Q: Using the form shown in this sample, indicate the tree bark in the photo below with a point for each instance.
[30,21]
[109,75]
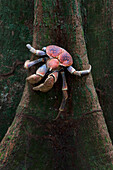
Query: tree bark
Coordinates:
[99,30]
[16,29]
[79,138]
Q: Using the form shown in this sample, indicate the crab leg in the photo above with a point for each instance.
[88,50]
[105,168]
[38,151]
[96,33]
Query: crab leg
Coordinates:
[64,90]
[78,73]
[36,52]
[65,95]
[29,63]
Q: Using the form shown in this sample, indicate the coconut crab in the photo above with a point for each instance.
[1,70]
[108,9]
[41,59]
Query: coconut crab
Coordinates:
[55,60]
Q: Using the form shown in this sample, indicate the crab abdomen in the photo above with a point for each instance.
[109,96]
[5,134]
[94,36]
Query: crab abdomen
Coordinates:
[62,55]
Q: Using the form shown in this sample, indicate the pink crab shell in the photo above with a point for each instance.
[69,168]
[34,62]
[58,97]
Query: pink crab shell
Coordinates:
[60,54]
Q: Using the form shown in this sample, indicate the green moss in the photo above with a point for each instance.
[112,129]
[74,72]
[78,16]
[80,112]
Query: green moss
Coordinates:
[90,90]
[79,59]
[15,32]
[98,32]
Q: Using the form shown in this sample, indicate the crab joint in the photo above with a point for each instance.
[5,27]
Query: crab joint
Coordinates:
[42,70]
[71,69]
[55,75]
[29,63]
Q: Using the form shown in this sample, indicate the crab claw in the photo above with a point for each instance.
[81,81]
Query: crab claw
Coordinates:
[34,79]
[46,86]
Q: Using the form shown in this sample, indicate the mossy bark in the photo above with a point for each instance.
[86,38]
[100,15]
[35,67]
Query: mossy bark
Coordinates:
[76,140]
[98,26]
[16,27]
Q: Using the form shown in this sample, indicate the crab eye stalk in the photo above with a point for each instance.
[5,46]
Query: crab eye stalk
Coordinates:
[44,49]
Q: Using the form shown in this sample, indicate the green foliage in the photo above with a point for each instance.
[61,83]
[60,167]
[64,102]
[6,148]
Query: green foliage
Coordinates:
[15,31]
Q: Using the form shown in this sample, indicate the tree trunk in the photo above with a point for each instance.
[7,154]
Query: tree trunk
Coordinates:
[99,30]
[79,138]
